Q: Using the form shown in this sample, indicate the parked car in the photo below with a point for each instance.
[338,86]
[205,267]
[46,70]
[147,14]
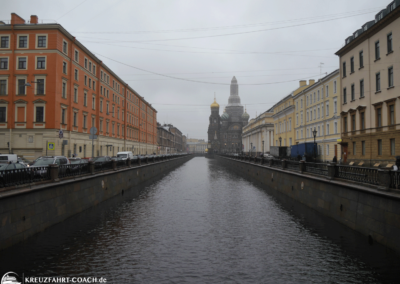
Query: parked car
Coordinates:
[42,164]
[78,164]
[8,157]
[11,166]
[125,155]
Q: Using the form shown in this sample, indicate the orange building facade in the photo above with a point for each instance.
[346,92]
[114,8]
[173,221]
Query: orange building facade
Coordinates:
[50,82]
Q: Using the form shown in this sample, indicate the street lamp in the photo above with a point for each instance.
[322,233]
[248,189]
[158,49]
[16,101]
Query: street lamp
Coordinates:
[280,141]
[315,134]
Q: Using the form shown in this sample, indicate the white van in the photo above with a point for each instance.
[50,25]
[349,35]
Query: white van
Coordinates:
[125,155]
[8,157]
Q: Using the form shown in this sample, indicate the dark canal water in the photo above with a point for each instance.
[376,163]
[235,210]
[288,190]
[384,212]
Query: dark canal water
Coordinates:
[203,224]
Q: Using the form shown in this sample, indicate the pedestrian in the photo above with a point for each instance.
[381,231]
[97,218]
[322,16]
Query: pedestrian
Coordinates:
[334,160]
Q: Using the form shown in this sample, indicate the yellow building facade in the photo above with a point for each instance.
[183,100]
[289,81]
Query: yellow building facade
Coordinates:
[283,117]
[318,108]
[258,134]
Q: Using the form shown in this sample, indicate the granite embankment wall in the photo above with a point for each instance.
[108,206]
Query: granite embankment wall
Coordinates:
[29,210]
[374,213]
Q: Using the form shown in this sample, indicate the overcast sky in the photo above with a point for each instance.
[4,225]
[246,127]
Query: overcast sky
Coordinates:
[270,44]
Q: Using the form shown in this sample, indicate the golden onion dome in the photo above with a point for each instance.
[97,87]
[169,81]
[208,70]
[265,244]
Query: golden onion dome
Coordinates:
[215,104]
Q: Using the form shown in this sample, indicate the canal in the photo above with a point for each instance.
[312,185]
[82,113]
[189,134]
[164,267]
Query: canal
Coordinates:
[200,223]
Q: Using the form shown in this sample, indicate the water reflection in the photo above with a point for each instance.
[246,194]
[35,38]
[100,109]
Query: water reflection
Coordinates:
[202,223]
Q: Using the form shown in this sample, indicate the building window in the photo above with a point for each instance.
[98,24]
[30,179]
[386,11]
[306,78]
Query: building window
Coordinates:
[23,42]
[353,122]
[353,93]
[377,51]
[65,45]
[327,91]
[65,67]
[3,63]
[390,77]
[345,124]
[392,147]
[90,82]
[101,105]
[327,150]
[76,75]
[64,90]
[21,86]
[352,65]
[63,115]
[344,96]
[75,119]
[363,148]
[344,69]
[354,148]
[21,62]
[39,114]
[4,42]
[378,81]
[335,127]
[362,120]
[85,99]
[40,86]
[75,95]
[41,63]
[93,102]
[379,117]
[84,121]
[361,88]
[391,115]
[334,87]
[86,61]
[327,109]
[94,69]
[3,114]
[76,56]
[389,43]
[327,129]
[85,80]
[3,87]
[361,57]
[379,147]
[90,66]
[41,41]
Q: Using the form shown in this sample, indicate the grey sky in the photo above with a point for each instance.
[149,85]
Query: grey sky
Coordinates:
[118,30]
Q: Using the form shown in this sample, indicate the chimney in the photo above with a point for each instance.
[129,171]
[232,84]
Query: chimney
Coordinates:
[303,83]
[34,19]
[311,82]
[16,20]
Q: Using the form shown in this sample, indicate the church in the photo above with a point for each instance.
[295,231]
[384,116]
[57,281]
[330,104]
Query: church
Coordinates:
[225,131]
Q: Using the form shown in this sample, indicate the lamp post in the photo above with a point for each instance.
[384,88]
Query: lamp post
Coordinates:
[315,134]
[280,141]
[251,149]
[263,146]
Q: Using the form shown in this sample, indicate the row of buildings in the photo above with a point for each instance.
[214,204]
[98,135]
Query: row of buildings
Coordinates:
[351,113]
[53,90]
[56,95]
[170,139]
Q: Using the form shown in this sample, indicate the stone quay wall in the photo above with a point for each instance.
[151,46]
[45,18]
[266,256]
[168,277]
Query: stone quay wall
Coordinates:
[363,208]
[31,209]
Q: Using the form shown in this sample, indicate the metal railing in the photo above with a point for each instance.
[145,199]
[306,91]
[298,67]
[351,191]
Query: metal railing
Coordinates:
[276,163]
[102,166]
[317,168]
[395,179]
[122,163]
[293,165]
[73,170]
[23,176]
[366,175]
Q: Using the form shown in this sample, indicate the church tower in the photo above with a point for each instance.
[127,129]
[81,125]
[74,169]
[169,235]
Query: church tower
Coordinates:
[214,128]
